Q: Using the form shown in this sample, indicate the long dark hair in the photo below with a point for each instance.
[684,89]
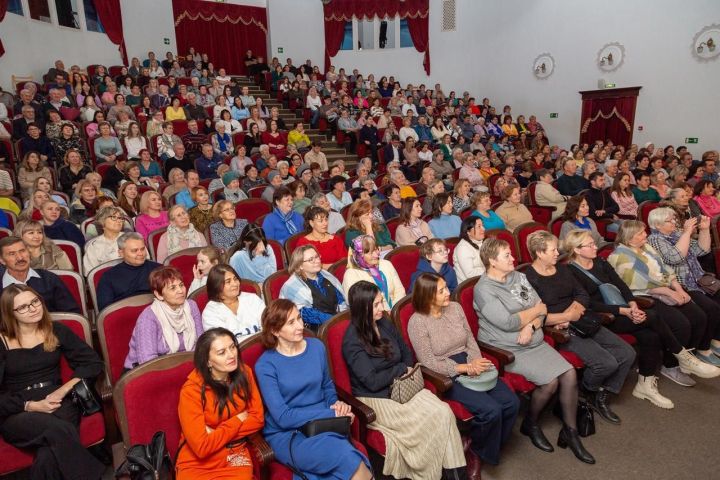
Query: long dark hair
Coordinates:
[216,280]
[468,223]
[226,393]
[572,207]
[249,239]
[361,297]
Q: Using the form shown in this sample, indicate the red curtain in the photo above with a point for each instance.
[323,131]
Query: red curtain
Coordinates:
[337,12]
[3,11]
[111,18]
[223,31]
[605,117]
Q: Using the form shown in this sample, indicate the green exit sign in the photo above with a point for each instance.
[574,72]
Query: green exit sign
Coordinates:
[553,115]
[691,140]
[609,85]
[166,41]
[280,49]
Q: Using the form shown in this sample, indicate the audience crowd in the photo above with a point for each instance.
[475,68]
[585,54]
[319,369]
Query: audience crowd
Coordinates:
[121,174]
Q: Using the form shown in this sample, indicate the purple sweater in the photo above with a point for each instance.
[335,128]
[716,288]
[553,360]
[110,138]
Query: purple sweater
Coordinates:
[147,340]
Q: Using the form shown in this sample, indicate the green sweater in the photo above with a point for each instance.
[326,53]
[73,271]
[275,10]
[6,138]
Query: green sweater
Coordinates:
[382,237]
[650,194]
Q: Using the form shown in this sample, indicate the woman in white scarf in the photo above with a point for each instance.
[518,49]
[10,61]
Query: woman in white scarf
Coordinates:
[180,234]
[170,324]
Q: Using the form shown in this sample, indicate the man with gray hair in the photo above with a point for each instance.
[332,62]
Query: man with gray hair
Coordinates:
[193,111]
[130,277]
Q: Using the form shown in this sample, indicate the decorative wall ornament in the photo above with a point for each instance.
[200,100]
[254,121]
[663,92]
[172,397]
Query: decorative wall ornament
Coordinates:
[611,56]
[705,43]
[543,66]
[613,113]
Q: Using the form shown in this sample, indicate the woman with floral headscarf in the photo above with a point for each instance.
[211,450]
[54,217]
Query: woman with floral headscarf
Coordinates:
[364,263]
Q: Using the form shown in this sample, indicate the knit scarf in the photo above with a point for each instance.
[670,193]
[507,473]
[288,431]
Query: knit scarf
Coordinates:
[287,220]
[178,239]
[173,323]
[222,141]
[375,273]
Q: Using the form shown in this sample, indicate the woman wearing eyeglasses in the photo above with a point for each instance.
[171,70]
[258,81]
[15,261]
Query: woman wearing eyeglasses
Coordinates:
[364,263]
[434,256]
[104,248]
[36,409]
[316,293]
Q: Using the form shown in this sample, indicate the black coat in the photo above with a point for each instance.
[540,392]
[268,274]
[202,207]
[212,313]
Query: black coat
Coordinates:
[371,375]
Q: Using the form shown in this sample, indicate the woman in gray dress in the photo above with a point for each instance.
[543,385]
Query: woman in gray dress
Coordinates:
[511,316]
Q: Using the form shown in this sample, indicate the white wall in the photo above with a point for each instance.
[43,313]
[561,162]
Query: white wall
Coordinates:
[146,24]
[32,46]
[492,50]
[296,26]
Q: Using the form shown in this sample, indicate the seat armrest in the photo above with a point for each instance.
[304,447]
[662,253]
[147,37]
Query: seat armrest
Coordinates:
[503,357]
[260,449]
[644,302]
[558,336]
[361,410]
[442,383]
[606,318]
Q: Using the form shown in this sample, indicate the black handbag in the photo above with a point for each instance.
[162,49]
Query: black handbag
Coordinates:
[86,398]
[339,425]
[148,462]
[585,419]
[586,326]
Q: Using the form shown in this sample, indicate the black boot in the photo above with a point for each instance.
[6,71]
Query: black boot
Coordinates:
[600,403]
[532,430]
[454,474]
[569,437]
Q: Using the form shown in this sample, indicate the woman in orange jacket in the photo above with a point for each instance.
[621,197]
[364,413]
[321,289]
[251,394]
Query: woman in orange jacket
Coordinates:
[220,405]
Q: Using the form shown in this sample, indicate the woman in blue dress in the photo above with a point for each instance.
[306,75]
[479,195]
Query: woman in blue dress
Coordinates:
[292,400]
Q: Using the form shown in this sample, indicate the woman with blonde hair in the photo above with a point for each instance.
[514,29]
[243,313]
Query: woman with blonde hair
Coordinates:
[33,206]
[364,263]
[201,215]
[31,168]
[176,180]
[461,195]
[227,229]
[43,251]
[83,207]
[152,215]
[42,183]
[180,234]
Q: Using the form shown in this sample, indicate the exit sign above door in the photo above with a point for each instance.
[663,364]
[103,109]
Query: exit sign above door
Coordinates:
[691,140]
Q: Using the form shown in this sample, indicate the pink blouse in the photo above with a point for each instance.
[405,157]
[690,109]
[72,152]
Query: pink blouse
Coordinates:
[627,204]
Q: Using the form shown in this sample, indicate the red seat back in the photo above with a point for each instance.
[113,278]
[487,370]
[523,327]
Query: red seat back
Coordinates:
[115,327]
[154,240]
[392,225]
[180,127]
[184,260]
[252,208]
[80,327]
[72,250]
[93,278]
[541,214]
[256,192]
[76,286]
[503,234]
[338,269]
[522,232]
[157,382]
[606,250]
[200,297]
[332,333]
[401,313]
[291,243]
[405,260]
[273,284]
[556,226]
[463,294]
[451,243]
[531,193]
[279,252]
[644,210]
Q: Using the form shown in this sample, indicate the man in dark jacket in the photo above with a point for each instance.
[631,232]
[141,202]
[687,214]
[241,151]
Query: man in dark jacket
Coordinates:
[570,184]
[15,259]
[601,204]
[130,277]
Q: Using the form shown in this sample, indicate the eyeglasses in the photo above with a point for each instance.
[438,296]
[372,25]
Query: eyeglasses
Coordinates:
[34,303]
[442,251]
[228,209]
[312,259]
[591,245]
[115,217]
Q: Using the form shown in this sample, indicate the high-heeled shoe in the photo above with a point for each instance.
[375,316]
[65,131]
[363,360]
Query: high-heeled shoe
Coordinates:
[569,437]
[531,429]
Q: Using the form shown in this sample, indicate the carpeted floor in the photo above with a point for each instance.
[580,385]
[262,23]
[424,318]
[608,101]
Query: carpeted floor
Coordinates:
[652,443]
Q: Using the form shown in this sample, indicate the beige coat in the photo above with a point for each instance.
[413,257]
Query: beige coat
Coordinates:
[396,290]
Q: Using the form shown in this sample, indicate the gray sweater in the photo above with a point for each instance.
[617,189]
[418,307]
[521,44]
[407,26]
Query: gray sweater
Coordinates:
[498,305]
